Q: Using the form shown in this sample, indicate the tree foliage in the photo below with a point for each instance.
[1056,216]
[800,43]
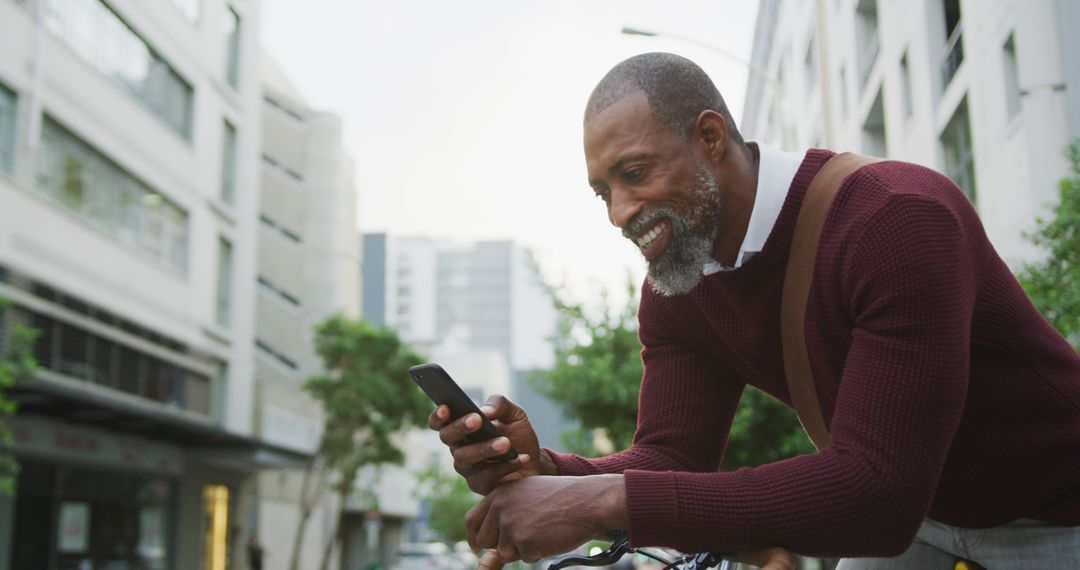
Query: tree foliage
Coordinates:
[16,362]
[597,374]
[1054,282]
[367,398]
[449,498]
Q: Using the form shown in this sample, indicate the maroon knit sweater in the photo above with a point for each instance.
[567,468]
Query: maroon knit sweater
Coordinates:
[946,393]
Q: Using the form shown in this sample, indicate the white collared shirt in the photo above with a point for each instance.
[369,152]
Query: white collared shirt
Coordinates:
[776,171]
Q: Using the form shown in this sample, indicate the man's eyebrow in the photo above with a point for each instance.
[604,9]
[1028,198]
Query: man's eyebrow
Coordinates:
[618,165]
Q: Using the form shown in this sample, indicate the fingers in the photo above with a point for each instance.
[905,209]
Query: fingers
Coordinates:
[489,560]
[769,559]
[473,521]
[454,433]
[439,417]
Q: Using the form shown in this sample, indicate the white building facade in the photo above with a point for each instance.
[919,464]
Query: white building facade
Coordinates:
[985,91]
[129,136]
[308,269]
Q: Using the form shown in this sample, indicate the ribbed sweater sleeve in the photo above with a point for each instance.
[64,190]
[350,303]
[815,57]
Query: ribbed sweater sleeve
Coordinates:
[685,406]
[909,292]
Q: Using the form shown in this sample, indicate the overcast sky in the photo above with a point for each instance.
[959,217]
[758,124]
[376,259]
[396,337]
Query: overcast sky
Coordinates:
[464,117]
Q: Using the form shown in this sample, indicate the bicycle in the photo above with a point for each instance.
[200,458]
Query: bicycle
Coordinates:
[620,547]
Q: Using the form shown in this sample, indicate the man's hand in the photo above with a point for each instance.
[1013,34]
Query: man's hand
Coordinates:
[473,461]
[769,559]
[544,516]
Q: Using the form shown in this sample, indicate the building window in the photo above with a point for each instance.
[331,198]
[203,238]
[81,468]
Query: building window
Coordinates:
[810,65]
[906,96]
[1012,77]
[7,130]
[867,41]
[80,354]
[232,40]
[843,92]
[224,282]
[959,155]
[954,41]
[96,33]
[873,131]
[83,180]
[189,8]
[228,164]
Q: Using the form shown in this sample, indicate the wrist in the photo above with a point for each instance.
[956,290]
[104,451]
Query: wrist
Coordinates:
[545,465]
[611,511]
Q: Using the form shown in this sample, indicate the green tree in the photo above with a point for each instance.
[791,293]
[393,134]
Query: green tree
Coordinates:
[597,374]
[450,498]
[1054,282]
[367,398]
[16,362]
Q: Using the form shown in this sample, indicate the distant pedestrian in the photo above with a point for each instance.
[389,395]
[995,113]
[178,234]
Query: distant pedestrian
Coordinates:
[255,553]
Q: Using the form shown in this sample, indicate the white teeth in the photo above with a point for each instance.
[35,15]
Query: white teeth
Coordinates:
[647,239]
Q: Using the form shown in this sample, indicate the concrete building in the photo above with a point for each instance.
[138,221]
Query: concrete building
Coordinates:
[308,269]
[129,137]
[986,91]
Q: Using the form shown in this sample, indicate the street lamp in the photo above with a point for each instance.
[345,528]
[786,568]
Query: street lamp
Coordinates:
[630,31]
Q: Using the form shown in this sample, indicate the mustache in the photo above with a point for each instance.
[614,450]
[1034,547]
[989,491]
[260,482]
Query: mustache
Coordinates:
[638,224]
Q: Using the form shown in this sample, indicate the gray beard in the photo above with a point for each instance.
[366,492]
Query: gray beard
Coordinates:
[678,269]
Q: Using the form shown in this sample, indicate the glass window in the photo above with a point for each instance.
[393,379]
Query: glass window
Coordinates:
[959,154]
[95,33]
[89,518]
[1012,77]
[224,284]
[810,64]
[873,131]
[232,39]
[867,41]
[905,85]
[7,130]
[954,41]
[86,182]
[228,164]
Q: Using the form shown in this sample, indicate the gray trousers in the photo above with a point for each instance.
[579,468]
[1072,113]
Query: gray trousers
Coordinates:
[1022,544]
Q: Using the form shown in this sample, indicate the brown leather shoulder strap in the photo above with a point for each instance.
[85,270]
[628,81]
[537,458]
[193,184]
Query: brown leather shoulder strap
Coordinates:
[800,270]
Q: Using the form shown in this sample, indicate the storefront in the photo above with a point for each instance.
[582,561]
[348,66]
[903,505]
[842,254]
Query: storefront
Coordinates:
[95,499]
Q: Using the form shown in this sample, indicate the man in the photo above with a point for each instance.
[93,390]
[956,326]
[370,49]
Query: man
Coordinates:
[951,403]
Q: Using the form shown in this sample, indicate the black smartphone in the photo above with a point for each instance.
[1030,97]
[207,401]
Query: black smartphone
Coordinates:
[441,388]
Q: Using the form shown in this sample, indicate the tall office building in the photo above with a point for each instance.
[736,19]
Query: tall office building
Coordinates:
[129,137]
[483,297]
[986,91]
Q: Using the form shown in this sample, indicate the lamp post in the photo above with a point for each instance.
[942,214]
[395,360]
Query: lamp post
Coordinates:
[630,31]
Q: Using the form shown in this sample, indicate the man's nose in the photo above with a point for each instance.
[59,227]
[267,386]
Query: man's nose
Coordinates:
[623,208]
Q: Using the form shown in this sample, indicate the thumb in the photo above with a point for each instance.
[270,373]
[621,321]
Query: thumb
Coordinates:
[490,560]
[502,409]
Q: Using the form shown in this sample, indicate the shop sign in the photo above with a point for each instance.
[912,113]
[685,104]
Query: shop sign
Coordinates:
[44,436]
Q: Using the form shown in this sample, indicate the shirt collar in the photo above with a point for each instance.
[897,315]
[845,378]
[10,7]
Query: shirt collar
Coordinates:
[776,171]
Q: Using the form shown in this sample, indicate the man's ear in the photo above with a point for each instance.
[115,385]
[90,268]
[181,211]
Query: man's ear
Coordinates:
[710,129]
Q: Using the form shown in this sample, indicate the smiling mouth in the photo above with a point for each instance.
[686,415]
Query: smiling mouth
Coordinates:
[646,239]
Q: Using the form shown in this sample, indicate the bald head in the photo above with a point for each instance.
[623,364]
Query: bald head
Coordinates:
[676,88]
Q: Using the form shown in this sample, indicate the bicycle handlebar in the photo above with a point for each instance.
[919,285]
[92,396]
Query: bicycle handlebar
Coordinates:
[620,547]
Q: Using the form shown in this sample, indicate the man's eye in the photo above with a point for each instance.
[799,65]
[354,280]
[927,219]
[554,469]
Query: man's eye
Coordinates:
[634,174]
